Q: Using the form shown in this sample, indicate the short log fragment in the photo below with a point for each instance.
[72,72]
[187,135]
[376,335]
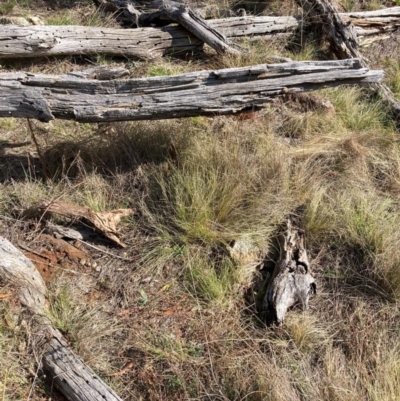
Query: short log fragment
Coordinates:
[291,282]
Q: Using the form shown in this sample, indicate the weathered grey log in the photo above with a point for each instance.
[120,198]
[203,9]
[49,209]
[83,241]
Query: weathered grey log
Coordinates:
[210,92]
[68,372]
[142,43]
[148,43]
[343,42]
[291,282]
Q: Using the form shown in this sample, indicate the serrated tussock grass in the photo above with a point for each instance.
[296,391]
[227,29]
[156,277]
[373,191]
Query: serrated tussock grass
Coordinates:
[226,186]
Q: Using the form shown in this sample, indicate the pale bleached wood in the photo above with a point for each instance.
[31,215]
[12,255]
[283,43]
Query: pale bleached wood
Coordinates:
[291,282]
[149,43]
[142,43]
[210,92]
[69,373]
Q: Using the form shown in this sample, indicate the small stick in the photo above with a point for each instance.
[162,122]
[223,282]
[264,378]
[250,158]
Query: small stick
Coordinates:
[46,171]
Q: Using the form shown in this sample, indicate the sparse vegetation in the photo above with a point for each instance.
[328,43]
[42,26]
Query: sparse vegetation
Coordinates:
[176,321]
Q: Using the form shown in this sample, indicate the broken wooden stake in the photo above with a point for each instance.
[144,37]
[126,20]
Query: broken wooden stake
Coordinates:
[207,93]
[291,282]
[342,38]
[68,372]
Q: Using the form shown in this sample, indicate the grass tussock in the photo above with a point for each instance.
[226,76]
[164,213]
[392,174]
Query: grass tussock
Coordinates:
[215,192]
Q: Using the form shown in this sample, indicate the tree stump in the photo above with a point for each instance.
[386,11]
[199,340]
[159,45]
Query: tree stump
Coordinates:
[291,282]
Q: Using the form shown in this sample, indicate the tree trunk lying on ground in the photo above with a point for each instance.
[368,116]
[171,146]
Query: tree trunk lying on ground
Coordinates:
[343,42]
[148,43]
[67,371]
[291,282]
[210,92]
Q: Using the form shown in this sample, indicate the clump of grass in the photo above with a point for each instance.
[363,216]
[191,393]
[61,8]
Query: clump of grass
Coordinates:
[384,382]
[86,15]
[81,322]
[7,7]
[338,382]
[13,349]
[365,227]
[308,51]
[216,194]
[96,192]
[66,18]
[356,113]
[306,332]
[393,77]
[164,69]
[259,52]
[210,280]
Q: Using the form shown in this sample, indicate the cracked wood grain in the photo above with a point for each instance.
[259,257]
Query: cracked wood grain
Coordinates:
[208,92]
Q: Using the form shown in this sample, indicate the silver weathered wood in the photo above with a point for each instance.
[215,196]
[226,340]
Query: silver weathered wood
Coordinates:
[368,23]
[292,281]
[143,43]
[68,372]
[148,43]
[210,92]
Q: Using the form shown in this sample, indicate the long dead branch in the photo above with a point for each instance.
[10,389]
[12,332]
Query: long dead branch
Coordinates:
[209,92]
[148,43]
[67,371]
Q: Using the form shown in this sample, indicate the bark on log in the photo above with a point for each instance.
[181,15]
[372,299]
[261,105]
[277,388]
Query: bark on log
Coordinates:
[67,371]
[343,42]
[291,282]
[210,92]
[148,43]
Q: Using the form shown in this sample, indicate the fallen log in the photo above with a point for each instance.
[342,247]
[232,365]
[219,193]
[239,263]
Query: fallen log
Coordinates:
[67,371]
[210,92]
[143,43]
[291,282]
[148,43]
